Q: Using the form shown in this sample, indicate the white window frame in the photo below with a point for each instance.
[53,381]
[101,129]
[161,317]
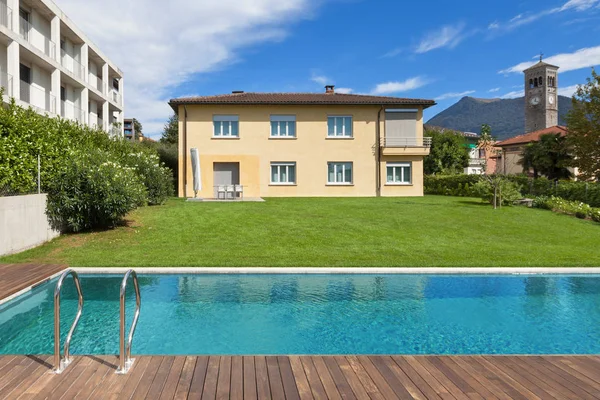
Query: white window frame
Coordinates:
[226,119]
[336,165]
[279,165]
[399,166]
[343,134]
[288,119]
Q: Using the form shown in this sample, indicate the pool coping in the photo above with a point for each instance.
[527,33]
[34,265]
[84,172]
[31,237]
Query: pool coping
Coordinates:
[345,270]
[30,288]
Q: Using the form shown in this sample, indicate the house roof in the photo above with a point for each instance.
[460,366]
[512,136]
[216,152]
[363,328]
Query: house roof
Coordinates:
[300,99]
[532,136]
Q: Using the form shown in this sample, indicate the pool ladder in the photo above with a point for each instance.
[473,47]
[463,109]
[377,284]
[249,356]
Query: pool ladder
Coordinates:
[125,360]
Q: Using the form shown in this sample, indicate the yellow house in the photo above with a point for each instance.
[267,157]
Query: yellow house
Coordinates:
[302,144]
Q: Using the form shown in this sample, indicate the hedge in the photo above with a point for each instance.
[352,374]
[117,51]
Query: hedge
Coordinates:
[462,185]
[76,162]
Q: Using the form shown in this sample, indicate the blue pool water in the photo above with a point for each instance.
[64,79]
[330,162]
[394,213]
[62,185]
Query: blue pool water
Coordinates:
[319,314]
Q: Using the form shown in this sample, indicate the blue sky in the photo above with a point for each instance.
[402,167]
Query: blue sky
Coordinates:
[441,50]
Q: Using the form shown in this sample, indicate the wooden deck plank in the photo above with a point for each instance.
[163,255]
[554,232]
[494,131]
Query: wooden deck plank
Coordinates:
[249,378]
[16,277]
[275,382]
[306,377]
[312,376]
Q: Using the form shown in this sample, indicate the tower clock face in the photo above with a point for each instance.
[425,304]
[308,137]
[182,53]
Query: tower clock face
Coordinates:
[534,101]
[551,99]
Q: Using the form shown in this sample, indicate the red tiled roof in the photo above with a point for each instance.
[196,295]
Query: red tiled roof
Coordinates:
[532,136]
[300,98]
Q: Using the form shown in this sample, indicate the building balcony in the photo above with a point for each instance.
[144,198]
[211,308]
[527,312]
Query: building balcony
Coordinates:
[37,98]
[36,38]
[476,161]
[71,111]
[115,96]
[395,146]
[5,16]
[73,66]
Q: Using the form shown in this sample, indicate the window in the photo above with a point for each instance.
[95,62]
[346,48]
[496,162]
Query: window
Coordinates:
[399,173]
[531,84]
[283,173]
[225,126]
[283,126]
[339,126]
[25,73]
[339,173]
[115,84]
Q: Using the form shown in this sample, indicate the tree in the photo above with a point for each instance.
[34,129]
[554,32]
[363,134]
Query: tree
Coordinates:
[448,154]
[486,142]
[137,127]
[583,122]
[550,156]
[171,130]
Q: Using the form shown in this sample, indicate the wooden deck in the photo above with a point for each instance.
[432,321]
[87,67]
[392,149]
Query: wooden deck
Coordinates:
[306,377]
[16,277]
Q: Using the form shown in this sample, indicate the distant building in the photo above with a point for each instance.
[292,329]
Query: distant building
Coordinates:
[129,129]
[47,63]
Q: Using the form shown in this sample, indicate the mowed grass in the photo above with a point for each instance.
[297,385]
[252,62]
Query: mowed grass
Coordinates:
[432,231]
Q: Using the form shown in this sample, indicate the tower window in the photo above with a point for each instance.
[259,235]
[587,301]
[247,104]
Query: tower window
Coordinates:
[535,82]
[530,83]
[541,80]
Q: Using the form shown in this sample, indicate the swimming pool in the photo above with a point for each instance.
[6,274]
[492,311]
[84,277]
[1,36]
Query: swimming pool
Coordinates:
[318,314]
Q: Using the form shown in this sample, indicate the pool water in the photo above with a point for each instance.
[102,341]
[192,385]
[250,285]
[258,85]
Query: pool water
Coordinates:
[318,314]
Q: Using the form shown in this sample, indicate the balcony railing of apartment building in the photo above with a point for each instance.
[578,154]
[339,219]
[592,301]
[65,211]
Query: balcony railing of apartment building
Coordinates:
[115,96]
[406,142]
[71,111]
[6,83]
[476,161]
[26,30]
[95,82]
[5,15]
[35,96]
[100,123]
[116,131]
[73,66]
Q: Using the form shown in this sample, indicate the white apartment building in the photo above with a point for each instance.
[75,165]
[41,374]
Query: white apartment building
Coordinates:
[47,63]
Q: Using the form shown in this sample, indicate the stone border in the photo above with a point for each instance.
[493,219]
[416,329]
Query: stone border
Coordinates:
[407,271]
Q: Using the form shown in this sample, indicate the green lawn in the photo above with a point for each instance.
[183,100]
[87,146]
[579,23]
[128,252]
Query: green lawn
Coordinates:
[355,232]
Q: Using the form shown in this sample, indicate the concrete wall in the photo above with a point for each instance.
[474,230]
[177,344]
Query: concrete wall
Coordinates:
[311,150]
[23,223]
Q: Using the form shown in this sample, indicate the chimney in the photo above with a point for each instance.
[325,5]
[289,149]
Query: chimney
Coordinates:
[237,91]
[329,89]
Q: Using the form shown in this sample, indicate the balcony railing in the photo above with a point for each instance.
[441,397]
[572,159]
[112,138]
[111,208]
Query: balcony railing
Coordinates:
[5,15]
[28,33]
[95,82]
[115,96]
[476,161]
[71,111]
[6,83]
[116,131]
[73,66]
[406,142]
[37,98]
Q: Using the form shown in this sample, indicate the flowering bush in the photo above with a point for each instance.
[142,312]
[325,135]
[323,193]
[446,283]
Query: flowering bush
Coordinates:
[576,208]
[595,214]
[157,179]
[93,193]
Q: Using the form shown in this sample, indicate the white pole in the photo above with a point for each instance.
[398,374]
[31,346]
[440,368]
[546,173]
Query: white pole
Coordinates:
[39,184]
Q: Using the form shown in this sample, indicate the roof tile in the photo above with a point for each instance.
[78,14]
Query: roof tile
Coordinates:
[533,136]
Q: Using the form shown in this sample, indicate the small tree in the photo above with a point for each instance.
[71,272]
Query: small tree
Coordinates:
[550,156]
[486,142]
[583,122]
[171,130]
[137,127]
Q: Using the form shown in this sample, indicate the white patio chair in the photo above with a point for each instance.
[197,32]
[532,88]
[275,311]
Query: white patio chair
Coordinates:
[239,190]
[221,190]
[229,192]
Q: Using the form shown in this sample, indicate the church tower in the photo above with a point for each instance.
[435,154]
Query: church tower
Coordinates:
[541,97]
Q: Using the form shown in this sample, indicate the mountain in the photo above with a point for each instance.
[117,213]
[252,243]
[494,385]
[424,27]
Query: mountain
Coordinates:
[505,116]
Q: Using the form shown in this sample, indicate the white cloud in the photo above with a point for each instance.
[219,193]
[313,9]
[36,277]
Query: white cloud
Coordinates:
[494,90]
[448,36]
[453,95]
[160,44]
[582,58]
[398,87]
[527,18]
[512,95]
[321,79]
[393,53]
[568,91]
[343,90]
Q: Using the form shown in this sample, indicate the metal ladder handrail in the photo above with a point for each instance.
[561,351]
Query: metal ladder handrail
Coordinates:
[125,360]
[61,363]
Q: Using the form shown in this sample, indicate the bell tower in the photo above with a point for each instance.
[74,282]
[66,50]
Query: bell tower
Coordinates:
[541,97]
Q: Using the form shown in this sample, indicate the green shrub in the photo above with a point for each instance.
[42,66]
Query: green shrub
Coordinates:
[450,185]
[157,179]
[576,208]
[595,214]
[91,192]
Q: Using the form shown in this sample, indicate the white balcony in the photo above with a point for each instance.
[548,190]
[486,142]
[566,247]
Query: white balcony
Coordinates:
[115,96]
[36,38]
[5,16]
[394,146]
[71,111]
[37,98]
[73,66]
